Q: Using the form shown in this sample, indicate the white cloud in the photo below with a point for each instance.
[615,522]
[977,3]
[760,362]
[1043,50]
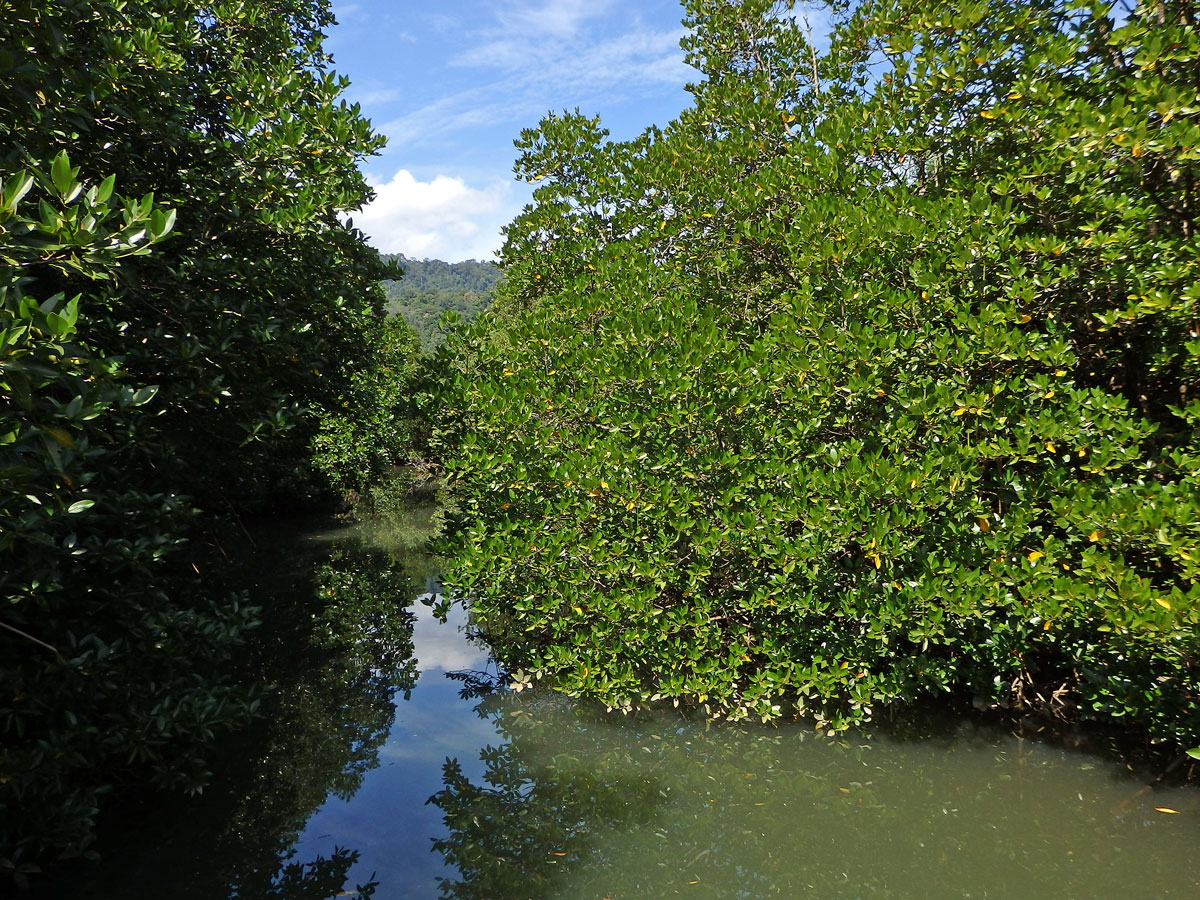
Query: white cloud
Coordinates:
[560,18]
[537,53]
[374,96]
[348,13]
[444,645]
[443,219]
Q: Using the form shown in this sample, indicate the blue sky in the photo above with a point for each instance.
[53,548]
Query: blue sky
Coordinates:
[451,84]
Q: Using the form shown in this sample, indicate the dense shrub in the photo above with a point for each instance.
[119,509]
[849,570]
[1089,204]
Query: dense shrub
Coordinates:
[186,326]
[868,378]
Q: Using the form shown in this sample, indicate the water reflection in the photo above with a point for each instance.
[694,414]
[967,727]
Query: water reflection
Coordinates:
[576,804]
[330,719]
[535,797]
[337,647]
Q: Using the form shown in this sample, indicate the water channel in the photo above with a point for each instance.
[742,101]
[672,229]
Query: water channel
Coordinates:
[397,764]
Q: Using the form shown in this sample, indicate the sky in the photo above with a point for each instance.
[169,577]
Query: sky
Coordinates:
[452,83]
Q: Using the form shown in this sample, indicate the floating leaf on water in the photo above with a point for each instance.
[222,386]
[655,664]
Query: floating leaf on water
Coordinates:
[1166,809]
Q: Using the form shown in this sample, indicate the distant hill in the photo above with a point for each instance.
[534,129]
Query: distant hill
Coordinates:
[431,287]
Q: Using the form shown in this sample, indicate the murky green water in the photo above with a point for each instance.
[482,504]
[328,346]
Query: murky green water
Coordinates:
[533,796]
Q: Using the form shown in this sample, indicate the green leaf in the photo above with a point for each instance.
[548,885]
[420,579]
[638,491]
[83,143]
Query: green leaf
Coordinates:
[16,188]
[104,191]
[144,395]
[61,173]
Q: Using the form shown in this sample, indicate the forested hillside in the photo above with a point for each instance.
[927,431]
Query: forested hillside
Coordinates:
[431,288]
[871,377]
[188,332]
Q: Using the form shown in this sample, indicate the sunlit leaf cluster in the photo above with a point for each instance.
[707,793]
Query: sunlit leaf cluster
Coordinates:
[870,377]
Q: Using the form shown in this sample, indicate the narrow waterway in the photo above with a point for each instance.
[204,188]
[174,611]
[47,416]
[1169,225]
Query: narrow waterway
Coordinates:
[401,764]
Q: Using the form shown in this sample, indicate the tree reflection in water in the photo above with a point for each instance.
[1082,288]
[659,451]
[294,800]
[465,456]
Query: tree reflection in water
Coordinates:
[329,722]
[336,648]
[578,804]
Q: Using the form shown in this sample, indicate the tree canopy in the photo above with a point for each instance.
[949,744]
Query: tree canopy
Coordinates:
[870,377]
[186,325]
[431,288]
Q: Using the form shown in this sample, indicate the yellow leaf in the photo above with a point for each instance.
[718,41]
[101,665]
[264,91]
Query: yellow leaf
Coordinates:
[1047,395]
[1166,809]
[1025,318]
[1095,536]
[1137,150]
[1161,602]
[1035,556]
[1050,446]
[1059,373]
[1046,626]
[62,436]
[878,561]
[604,484]
[984,524]
[987,114]
[962,410]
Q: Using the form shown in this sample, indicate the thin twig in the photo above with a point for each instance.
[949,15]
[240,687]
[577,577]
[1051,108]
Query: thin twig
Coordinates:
[15,630]
[812,49]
